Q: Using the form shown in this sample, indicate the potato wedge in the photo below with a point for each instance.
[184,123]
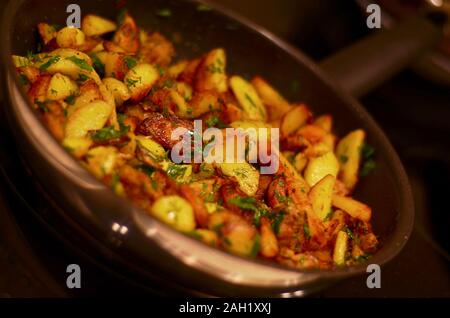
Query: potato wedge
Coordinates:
[275,104]
[353,207]
[340,248]
[300,161]
[319,167]
[78,147]
[118,90]
[115,64]
[127,36]
[93,25]
[70,62]
[70,37]
[244,173]
[20,61]
[320,196]
[174,211]
[61,87]
[152,149]
[202,103]
[87,93]
[211,74]
[92,116]
[177,68]
[295,118]
[140,80]
[206,236]
[325,122]
[102,160]
[248,98]
[348,151]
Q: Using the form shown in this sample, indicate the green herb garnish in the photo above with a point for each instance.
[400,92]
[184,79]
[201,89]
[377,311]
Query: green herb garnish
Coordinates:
[306,230]
[80,63]
[98,65]
[50,62]
[256,246]
[130,61]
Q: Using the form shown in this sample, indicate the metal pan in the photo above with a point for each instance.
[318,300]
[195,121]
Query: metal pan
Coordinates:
[122,232]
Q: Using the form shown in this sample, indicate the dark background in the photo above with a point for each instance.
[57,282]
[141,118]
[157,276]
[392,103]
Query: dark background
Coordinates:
[414,113]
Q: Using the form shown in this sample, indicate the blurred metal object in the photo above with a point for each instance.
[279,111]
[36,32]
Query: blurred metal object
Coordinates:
[435,65]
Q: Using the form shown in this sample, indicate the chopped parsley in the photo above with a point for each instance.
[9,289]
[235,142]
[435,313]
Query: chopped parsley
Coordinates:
[148,170]
[80,63]
[108,133]
[306,230]
[82,77]
[256,246]
[121,16]
[368,153]
[250,100]
[23,79]
[250,204]
[42,106]
[131,82]
[98,65]
[70,99]
[343,158]
[176,171]
[50,62]
[329,215]
[130,61]
[276,219]
[349,232]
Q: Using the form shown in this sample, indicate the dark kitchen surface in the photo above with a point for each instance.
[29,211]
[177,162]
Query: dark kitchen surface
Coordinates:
[413,112]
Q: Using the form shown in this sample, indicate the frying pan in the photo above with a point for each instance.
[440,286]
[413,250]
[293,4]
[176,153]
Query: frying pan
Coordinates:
[122,232]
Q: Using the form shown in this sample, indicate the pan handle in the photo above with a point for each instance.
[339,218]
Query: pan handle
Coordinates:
[364,65]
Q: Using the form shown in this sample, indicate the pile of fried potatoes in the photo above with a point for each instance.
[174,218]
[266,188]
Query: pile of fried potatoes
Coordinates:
[111,94]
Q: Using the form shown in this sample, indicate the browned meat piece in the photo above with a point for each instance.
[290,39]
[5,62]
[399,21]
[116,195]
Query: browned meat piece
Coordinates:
[160,128]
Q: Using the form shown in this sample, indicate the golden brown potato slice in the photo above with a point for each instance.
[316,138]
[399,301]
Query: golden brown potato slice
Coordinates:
[348,152]
[211,74]
[93,25]
[320,196]
[325,122]
[174,211]
[140,80]
[70,37]
[92,116]
[340,248]
[319,167]
[355,208]
[244,173]
[118,89]
[61,87]
[275,103]
[248,98]
[295,118]
[127,36]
